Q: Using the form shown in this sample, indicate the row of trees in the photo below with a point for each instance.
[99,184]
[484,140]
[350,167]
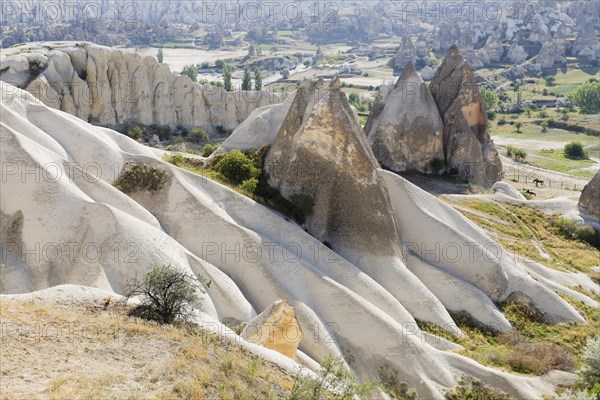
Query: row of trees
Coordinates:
[192,72]
[586,97]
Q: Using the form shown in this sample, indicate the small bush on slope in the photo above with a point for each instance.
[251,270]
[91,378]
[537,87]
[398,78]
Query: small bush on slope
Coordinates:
[333,382]
[136,178]
[237,167]
[590,372]
[166,294]
[472,389]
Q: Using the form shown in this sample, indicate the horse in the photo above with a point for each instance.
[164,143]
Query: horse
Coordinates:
[538,182]
[530,192]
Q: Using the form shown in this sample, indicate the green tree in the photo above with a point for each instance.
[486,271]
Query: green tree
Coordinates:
[166,294]
[227,74]
[519,125]
[191,71]
[160,56]
[257,80]
[575,151]
[220,64]
[246,80]
[544,126]
[587,98]
[490,97]
[285,73]
[550,81]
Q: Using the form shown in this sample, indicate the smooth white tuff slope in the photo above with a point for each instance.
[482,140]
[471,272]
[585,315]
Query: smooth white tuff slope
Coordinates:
[57,193]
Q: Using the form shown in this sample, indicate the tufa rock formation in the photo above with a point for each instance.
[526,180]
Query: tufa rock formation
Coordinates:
[277,328]
[406,54]
[590,198]
[111,87]
[260,128]
[493,50]
[468,146]
[322,153]
[405,128]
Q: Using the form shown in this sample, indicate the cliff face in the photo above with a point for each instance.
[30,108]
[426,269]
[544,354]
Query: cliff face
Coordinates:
[590,198]
[467,143]
[405,127]
[108,87]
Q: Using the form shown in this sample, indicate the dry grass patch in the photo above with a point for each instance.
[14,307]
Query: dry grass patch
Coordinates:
[73,351]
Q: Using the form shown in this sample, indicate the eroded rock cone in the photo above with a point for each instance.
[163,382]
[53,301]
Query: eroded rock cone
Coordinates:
[590,198]
[277,328]
[468,146]
[405,127]
[321,153]
[406,54]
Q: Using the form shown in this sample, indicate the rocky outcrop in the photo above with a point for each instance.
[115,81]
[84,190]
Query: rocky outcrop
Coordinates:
[405,128]
[590,198]
[406,54]
[516,54]
[587,46]
[277,328]
[321,153]
[260,128]
[446,36]
[493,50]
[109,87]
[468,146]
[547,56]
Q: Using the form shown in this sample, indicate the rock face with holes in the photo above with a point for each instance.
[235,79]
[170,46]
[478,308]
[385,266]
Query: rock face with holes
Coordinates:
[110,86]
[405,127]
[468,146]
[277,328]
[590,198]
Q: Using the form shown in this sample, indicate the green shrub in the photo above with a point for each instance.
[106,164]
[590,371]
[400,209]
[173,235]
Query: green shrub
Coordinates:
[544,126]
[198,135]
[249,185]
[516,153]
[394,387]
[209,149]
[303,204]
[590,372]
[577,395]
[575,151]
[136,133]
[137,178]
[472,389]
[333,382]
[437,164]
[35,69]
[166,294]
[237,167]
